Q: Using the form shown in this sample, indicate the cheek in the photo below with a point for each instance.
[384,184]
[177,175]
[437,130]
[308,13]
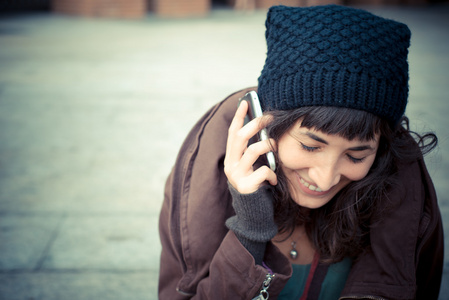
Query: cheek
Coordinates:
[291,160]
[290,155]
[356,173]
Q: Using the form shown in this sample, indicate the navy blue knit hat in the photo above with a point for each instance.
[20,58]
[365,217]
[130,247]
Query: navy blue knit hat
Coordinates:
[335,56]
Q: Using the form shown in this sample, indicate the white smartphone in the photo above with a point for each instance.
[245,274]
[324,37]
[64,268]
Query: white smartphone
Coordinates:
[254,111]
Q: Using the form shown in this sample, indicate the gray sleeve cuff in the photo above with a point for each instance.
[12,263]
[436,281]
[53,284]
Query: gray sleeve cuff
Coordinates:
[253,223]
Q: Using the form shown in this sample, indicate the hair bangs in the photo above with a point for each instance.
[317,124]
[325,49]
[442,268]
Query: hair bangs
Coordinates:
[345,122]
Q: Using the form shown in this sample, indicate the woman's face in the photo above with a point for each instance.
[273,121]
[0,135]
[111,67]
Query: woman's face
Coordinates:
[318,165]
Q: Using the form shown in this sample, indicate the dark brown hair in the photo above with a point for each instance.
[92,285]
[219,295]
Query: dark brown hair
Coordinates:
[340,228]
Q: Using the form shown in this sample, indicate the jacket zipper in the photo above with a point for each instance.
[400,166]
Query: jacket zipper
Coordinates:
[263,294]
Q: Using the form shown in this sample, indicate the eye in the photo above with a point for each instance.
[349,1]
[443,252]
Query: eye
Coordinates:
[355,160]
[309,149]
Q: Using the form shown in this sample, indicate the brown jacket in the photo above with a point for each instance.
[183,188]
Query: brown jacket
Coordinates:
[202,259]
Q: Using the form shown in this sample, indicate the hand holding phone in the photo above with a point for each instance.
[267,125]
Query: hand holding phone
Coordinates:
[241,154]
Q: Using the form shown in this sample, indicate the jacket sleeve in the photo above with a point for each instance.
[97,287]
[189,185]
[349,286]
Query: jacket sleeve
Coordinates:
[430,252]
[232,273]
[406,256]
[201,258]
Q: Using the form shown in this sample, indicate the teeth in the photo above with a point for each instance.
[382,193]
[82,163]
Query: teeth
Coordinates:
[310,186]
[305,183]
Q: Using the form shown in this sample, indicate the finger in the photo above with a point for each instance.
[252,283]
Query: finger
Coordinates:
[254,126]
[240,173]
[253,152]
[263,174]
[233,151]
[239,117]
[273,145]
[238,141]
[250,184]
[265,120]
[239,136]
[242,133]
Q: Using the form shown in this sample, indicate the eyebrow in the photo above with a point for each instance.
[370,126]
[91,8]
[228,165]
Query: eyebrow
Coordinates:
[361,148]
[358,148]
[316,138]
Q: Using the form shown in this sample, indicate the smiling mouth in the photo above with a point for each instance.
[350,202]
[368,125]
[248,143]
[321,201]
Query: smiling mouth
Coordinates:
[312,187]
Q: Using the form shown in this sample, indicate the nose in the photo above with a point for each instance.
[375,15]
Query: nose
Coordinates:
[325,175]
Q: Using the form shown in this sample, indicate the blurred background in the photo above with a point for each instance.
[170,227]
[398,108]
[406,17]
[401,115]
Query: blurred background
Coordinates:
[96,97]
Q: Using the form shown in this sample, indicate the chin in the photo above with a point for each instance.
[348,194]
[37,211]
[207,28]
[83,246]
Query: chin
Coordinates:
[311,203]
[314,201]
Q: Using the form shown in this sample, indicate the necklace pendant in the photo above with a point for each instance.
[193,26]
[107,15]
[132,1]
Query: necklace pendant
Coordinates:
[293,253]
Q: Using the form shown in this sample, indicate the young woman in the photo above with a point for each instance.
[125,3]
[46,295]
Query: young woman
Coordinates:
[349,212]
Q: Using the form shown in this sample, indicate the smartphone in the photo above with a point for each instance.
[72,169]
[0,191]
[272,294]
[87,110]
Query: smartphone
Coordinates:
[254,111]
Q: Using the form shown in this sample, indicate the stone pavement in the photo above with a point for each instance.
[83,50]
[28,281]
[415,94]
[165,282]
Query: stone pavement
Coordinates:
[92,114]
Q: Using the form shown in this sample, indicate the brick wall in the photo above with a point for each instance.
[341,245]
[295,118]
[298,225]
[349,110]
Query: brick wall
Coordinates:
[186,8]
[181,8]
[102,8]
[269,3]
[387,2]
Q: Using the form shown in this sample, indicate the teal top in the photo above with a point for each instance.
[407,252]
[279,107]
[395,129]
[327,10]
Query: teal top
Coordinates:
[331,288]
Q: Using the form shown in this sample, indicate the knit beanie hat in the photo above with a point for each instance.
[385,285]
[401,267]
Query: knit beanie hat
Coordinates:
[335,56]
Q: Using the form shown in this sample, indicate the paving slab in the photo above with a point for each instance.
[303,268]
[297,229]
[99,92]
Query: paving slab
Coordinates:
[78,286]
[117,243]
[25,240]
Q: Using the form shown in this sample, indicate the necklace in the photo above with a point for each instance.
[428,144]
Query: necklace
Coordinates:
[293,252]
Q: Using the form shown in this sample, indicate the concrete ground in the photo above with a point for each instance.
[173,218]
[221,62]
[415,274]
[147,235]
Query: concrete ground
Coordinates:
[92,114]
